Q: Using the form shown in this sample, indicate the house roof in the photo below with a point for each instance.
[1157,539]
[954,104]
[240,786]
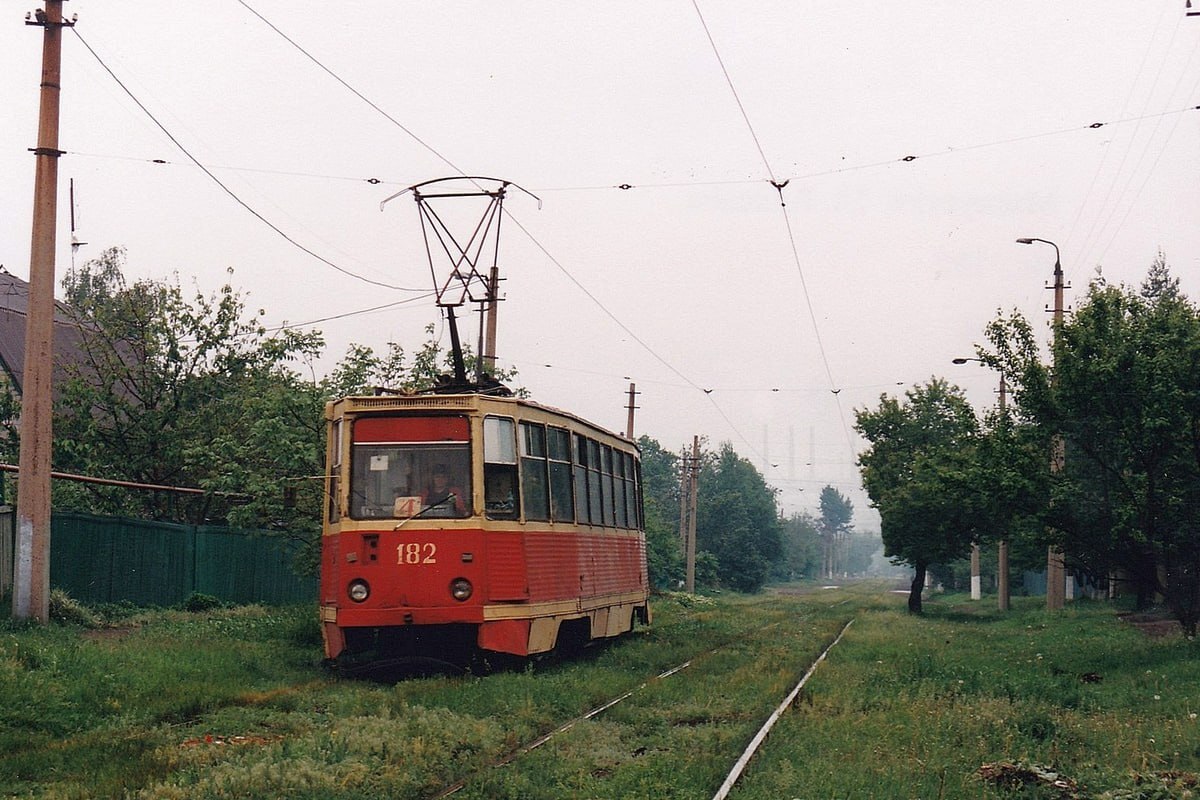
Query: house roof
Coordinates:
[14,305]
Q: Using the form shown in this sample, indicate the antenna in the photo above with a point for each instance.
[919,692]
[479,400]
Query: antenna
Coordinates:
[464,276]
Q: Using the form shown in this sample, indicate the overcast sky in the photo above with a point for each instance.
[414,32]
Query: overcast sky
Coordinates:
[880,269]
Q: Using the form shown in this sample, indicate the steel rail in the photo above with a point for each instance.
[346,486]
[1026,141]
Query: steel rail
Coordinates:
[566,726]
[738,768]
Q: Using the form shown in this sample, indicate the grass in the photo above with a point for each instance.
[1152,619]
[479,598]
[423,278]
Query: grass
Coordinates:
[915,707]
[228,703]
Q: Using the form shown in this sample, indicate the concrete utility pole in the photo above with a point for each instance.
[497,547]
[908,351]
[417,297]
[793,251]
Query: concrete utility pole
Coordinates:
[489,341]
[1002,554]
[1002,550]
[631,408]
[1055,567]
[693,479]
[31,573]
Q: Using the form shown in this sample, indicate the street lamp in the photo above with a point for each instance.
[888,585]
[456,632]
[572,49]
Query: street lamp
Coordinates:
[1058,276]
[1002,546]
[1055,569]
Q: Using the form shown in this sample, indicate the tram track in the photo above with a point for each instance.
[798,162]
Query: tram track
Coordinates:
[739,766]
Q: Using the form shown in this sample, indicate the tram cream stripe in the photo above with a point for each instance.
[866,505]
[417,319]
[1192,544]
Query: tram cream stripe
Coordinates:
[740,766]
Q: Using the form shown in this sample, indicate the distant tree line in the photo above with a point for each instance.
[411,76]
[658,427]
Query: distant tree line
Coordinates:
[742,542]
[1117,407]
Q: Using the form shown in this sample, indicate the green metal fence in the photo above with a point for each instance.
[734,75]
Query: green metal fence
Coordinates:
[99,559]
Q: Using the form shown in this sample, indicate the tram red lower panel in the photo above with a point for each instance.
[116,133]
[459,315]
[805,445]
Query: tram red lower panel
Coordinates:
[410,571]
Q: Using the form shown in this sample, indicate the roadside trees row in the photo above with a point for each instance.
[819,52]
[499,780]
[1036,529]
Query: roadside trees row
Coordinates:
[1123,398]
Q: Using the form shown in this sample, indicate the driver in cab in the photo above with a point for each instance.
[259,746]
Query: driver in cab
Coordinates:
[441,497]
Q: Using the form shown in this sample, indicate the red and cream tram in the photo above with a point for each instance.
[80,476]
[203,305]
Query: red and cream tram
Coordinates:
[463,521]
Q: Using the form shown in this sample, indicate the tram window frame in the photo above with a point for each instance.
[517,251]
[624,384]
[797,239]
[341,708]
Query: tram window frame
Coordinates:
[501,487]
[619,491]
[562,483]
[579,453]
[334,508]
[595,502]
[383,475]
[535,482]
[607,496]
[639,494]
[631,490]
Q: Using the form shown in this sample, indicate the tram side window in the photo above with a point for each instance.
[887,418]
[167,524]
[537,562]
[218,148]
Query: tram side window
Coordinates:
[631,493]
[606,483]
[582,507]
[534,487]
[562,501]
[593,488]
[619,489]
[500,468]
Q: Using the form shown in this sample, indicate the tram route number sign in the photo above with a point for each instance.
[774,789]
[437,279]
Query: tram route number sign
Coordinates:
[406,507]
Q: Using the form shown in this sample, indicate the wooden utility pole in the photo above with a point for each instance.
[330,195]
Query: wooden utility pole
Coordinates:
[31,573]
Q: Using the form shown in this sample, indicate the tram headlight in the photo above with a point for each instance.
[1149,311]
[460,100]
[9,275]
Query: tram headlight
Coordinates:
[460,589]
[359,590]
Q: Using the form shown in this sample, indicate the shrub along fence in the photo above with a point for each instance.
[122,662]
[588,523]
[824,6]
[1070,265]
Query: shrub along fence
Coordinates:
[100,559]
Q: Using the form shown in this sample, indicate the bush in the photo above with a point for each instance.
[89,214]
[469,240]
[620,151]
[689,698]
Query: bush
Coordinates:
[67,610]
[198,601]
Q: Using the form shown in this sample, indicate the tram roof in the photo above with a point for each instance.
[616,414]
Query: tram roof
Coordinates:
[465,402]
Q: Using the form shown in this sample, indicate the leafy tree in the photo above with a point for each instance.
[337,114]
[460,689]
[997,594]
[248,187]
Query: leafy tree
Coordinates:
[800,536]
[916,471]
[737,521]
[182,392]
[660,489]
[1125,397]
[836,513]
[362,370]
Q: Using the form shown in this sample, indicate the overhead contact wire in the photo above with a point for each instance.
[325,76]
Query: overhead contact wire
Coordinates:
[779,186]
[733,89]
[906,159]
[218,181]
[460,172]
[351,89]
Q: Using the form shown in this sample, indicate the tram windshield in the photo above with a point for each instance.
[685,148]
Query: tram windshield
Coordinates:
[400,481]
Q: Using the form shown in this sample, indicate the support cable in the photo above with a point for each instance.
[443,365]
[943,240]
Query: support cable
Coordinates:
[506,211]
[907,159]
[222,185]
[779,186]
[728,80]
[351,89]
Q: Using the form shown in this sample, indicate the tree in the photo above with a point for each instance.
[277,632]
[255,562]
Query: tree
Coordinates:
[736,520]
[1126,399]
[182,392]
[836,513]
[660,496]
[916,472]
[362,370]
[802,548]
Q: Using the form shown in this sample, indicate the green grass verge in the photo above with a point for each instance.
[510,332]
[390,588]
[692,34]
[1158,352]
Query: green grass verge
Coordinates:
[232,703]
[915,707]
